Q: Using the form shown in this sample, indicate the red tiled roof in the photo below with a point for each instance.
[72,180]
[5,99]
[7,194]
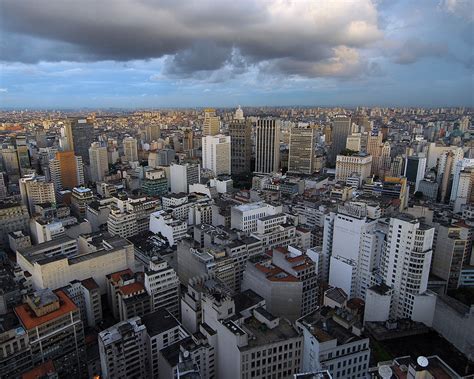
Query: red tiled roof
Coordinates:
[29,320]
[90,284]
[117,275]
[132,288]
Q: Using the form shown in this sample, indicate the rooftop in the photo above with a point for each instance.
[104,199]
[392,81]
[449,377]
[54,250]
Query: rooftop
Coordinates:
[30,320]
[264,336]
[159,321]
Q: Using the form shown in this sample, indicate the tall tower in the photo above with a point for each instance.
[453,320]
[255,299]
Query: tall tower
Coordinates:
[267,146]
[66,170]
[406,262]
[79,136]
[415,171]
[341,128]
[216,154]
[240,131]
[99,163]
[23,154]
[130,149]
[153,132]
[302,150]
[211,124]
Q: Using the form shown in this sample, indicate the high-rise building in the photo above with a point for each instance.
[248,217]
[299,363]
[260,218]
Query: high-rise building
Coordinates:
[10,163]
[405,264]
[36,190]
[464,124]
[353,166]
[66,170]
[341,128]
[99,163]
[155,183]
[123,350]
[23,154]
[80,198]
[130,149]
[182,175]
[188,140]
[240,131]
[152,132]
[267,146]
[465,189]
[216,154]
[53,324]
[449,254]
[211,124]
[414,171]
[79,136]
[302,150]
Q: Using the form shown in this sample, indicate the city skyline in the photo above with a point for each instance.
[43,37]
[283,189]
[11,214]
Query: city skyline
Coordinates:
[141,55]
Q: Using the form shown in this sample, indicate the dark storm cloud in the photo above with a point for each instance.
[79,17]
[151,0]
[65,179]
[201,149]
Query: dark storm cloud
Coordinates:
[195,36]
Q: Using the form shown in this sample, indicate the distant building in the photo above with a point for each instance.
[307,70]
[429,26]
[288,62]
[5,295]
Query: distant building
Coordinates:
[302,151]
[80,135]
[267,146]
[341,128]
[182,175]
[36,190]
[415,171]
[99,164]
[66,170]
[240,131]
[211,124]
[348,165]
[130,149]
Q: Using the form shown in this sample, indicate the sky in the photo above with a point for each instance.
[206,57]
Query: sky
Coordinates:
[171,53]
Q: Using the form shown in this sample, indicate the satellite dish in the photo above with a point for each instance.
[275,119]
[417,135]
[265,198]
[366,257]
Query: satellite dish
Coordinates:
[186,354]
[385,372]
[422,361]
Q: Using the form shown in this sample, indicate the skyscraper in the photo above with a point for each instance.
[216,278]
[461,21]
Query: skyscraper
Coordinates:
[23,154]
[130,149]
[79,135]
[152,132]
[406,262]
[341,128]
[211,124]
[216,154]
[240,132]
[99,164]
[267,146]
[66,170]
[302,150]
[414,171]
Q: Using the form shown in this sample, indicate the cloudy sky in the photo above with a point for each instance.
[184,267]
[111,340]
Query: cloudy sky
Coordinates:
[150,53]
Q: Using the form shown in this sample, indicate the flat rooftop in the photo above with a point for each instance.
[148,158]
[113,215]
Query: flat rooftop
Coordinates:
[264,336]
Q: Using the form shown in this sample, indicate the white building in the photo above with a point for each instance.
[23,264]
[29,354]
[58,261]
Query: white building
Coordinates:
[99,162]
[34,190]
[244,217]
[406,261]
[216,154]
[56,263]
[348,166]
[182,175]
[356,249]
[172,229]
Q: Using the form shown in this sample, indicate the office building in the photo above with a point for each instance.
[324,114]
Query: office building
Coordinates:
[341,129]
[130,149]
[414,171]
[86,295]
[23,154]
[155,183]
[66,170]
[405,263]
[267,146]
[171,228]
[353,166]
[152,132]
[240,131]
[99,163]
[55,331]
[216,154]
[80,198]
[79,134]
[211,124]
[449,254]
[244,217]
[34,190]
[301,158]
[54,264]
[183,175]
[123,350]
